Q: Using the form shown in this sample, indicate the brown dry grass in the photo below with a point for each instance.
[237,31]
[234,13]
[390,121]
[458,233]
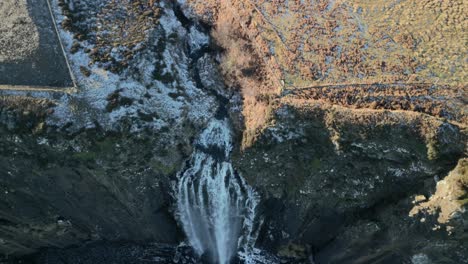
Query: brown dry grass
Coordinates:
[368,41]
[24,103]
[295,44]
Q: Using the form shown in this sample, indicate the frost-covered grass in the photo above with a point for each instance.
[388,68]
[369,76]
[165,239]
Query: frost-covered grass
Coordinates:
[148,96]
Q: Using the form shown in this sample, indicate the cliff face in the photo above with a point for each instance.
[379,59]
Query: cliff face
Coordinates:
[60,189]
[333,182]
[340,184]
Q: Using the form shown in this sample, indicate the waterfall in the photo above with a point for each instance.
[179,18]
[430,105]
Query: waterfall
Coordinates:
[214,204]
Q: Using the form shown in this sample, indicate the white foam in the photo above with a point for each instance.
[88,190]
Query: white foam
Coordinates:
[215,205]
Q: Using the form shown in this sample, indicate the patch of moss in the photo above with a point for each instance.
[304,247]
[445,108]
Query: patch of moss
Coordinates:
[293,251]
[315,164]
[86,156]
[106,146]
[166,169]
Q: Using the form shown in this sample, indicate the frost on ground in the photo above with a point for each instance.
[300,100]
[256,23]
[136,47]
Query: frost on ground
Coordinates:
[155,91]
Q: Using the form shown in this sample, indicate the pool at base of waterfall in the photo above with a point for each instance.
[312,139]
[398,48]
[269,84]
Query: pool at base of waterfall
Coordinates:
[128,253]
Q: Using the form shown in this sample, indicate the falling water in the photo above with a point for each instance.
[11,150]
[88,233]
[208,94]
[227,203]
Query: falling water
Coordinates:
[215,205]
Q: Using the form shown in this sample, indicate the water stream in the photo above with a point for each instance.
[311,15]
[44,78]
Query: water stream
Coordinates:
[215,205]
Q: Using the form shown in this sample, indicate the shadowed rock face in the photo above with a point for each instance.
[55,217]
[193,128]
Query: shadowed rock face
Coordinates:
[30,52]
[339,184]
[111,189]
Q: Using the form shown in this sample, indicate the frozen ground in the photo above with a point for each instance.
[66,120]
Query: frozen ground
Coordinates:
[30,52]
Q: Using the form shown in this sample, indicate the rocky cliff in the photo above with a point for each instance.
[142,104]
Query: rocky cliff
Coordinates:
[340,184]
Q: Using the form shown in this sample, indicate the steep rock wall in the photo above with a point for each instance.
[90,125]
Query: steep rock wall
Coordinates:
[338,183]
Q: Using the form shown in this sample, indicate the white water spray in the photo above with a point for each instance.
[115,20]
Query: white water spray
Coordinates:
[215,205]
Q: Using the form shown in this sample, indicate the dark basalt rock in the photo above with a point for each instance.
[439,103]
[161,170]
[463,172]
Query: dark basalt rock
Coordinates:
[341,182]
